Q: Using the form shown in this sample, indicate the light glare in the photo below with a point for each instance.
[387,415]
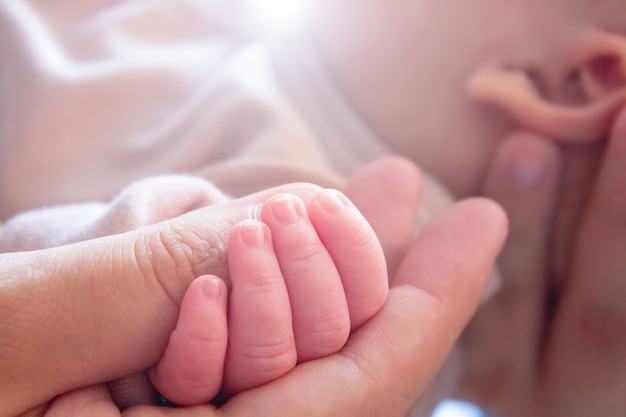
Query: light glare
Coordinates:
[274,14]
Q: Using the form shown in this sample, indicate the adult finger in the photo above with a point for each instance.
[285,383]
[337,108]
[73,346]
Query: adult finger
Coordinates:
[389,360]
[94,400]
[151,411]
[523,179]
[387,193]
[114,299]
[586,355]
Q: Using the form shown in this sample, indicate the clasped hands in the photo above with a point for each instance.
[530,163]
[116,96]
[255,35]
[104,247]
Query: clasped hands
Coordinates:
[85,313]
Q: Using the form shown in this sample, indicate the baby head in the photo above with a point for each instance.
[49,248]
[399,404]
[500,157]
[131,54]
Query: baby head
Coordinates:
[444,80]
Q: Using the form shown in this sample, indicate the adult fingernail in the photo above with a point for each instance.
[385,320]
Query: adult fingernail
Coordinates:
[528,172]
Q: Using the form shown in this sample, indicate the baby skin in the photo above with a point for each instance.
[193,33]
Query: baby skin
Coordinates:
[302,278]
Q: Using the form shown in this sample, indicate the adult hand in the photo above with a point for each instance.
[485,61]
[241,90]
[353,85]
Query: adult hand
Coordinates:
[116,299]
[552,342]
[81,314]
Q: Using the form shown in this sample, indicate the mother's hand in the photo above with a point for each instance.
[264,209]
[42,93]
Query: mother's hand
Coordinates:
[553,341]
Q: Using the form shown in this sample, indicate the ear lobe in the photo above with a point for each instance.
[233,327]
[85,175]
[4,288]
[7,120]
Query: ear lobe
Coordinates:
[597,73]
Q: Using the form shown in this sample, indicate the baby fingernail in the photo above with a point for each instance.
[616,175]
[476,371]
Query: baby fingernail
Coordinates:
[287,209]
[253,233]
[332,201]
[211,287]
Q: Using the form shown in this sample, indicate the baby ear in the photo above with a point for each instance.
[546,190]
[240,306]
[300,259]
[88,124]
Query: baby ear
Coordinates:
[578,102]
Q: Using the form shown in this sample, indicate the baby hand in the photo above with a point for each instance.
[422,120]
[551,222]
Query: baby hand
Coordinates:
[302,278]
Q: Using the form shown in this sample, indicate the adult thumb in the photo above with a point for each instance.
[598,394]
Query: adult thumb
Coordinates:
[387,192]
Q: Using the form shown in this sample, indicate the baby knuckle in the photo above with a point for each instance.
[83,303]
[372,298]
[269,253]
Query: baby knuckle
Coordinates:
[270,354]
[263,285]
[307,253]
[330,333]
[373,300]
[368,242]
